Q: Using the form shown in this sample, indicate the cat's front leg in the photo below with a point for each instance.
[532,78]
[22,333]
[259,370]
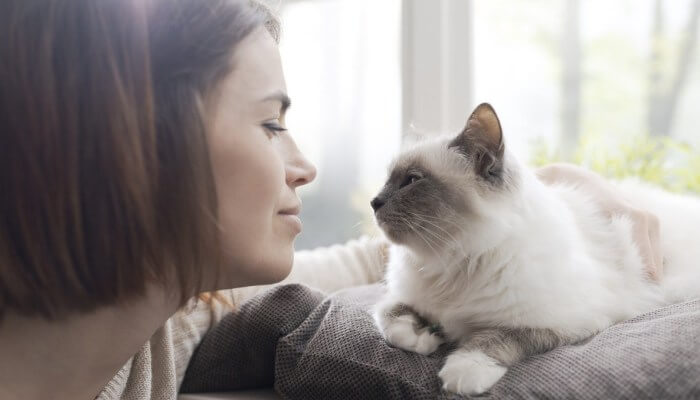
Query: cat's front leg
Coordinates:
[402,327]
[483,358]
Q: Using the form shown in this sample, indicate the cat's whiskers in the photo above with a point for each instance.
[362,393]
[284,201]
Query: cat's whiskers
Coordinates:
[357,225]
[445,283]
[428,241]
[425,218]
[422,237]
[441,241]
[454,240]
[446,276]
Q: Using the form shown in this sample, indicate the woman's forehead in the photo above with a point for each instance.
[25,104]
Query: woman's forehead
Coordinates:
[257,67]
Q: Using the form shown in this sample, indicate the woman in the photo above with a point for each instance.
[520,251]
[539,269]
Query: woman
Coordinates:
[144,159]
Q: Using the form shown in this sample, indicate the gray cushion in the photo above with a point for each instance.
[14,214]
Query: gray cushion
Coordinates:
[315,348]
[239,353]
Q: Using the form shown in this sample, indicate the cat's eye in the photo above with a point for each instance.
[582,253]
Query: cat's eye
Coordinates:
[411,179]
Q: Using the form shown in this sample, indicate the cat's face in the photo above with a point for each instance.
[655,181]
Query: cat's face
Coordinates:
[440,190]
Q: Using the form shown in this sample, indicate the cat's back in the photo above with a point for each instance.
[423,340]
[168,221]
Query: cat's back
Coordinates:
[679,223]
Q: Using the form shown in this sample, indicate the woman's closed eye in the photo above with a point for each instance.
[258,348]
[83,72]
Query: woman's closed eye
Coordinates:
[273,127]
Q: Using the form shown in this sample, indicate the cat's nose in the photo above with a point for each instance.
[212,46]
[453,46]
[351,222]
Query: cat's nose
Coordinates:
[377,203]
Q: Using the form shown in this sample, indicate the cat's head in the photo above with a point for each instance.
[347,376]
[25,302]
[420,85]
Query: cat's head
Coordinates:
[449,189]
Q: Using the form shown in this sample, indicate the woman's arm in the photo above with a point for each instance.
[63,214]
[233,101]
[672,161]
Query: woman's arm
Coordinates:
[357,262]
[646,224]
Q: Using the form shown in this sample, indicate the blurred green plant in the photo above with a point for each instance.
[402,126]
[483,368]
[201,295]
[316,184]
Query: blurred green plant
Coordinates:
[663,161]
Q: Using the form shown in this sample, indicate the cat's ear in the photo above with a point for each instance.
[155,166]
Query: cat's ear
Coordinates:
[482,139]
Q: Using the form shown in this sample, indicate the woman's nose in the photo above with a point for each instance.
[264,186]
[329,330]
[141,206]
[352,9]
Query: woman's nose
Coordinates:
[300,171]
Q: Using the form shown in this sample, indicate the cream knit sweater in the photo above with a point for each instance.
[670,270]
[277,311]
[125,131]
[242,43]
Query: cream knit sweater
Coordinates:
[157,370]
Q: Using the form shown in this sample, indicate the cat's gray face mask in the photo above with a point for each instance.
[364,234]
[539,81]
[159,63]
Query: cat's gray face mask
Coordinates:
[417,207]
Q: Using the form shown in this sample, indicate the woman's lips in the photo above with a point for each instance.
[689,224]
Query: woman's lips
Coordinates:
[291,217]
[292,220]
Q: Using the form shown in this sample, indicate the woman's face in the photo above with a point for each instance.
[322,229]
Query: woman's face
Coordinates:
[257,166]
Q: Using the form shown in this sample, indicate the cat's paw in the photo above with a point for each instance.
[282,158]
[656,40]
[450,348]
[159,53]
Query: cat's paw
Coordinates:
[402,332]
[470,372]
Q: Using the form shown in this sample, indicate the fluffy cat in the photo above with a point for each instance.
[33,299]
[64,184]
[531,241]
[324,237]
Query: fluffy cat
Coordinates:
[508,266]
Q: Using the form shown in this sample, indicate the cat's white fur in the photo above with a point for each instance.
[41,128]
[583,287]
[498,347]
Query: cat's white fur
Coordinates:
[540,256]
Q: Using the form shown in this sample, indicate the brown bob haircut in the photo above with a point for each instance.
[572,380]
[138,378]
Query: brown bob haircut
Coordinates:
[105,179]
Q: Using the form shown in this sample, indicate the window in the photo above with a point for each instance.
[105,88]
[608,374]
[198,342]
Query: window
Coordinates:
[563,75]
[342,64]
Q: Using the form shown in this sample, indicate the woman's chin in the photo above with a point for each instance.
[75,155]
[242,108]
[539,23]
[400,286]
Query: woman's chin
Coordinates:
[263,271]
[276,274]
[275,270]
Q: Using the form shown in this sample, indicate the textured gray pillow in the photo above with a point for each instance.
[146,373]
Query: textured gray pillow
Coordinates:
[239,352]
[314,348]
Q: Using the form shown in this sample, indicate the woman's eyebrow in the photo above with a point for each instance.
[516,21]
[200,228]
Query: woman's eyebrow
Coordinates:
[280,96]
